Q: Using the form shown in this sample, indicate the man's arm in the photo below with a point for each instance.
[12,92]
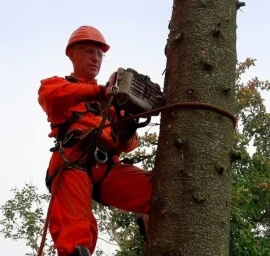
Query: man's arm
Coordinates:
[127,136]
[57,94]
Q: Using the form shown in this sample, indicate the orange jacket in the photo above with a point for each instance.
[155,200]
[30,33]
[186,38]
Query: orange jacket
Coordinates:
[59,98]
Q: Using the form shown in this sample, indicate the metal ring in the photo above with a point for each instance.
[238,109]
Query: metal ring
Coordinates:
[99,151]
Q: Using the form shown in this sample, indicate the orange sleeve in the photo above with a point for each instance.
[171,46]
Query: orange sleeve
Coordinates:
[57,94]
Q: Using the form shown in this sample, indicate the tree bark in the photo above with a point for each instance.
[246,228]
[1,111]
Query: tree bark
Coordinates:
[191,181]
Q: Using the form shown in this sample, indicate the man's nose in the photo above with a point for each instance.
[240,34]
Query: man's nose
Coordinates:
[95,57]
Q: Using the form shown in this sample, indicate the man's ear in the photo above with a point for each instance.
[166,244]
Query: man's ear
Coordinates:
[71,54]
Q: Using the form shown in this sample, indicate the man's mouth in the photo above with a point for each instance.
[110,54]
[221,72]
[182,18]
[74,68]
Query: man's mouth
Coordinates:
[93,66]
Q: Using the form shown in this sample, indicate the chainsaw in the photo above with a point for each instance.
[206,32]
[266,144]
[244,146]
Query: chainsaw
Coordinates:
[135,93]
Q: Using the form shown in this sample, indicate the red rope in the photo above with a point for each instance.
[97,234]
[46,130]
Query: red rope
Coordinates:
[186,105]
[46,225]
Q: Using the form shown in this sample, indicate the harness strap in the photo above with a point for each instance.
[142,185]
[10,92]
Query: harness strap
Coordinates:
[91,107]
[69,142]
[97,186]
[49,178]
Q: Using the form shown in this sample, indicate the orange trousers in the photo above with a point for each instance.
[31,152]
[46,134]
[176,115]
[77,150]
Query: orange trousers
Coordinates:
[71,219]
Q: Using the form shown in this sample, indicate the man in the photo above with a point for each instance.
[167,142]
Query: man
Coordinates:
[72,105]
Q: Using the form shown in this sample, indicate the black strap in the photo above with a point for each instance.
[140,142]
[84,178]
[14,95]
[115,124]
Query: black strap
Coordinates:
[72,79]
[63,127]
[91,107]
[97,186]
[49,178]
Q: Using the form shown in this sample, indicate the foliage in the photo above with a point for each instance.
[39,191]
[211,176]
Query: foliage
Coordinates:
[121,228]
[23,218]
[251,176]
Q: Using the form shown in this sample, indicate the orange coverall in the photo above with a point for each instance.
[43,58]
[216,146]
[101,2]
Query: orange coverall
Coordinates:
[125,187]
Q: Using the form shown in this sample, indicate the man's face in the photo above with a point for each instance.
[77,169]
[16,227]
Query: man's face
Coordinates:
[86,59]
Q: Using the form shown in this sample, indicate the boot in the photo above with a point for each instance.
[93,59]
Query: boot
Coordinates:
[142,221]
[81,251]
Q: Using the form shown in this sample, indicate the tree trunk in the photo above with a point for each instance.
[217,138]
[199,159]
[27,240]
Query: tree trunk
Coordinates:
[191,180]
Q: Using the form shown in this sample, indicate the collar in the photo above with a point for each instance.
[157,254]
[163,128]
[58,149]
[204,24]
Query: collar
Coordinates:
[83,80]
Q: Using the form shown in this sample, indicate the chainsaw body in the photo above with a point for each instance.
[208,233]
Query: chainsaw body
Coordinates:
[136,93]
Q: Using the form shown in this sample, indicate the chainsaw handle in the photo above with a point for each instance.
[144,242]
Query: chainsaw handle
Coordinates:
[145,123]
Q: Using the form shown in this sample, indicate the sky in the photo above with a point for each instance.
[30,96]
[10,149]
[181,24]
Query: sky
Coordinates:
[33,40]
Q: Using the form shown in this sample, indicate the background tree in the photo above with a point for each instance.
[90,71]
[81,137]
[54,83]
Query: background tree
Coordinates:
[23,218]
[251,176]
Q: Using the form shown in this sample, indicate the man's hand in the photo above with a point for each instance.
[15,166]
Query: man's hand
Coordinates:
[109,85]
[127,129]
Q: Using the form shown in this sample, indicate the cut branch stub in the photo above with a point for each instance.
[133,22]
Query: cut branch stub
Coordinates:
[240,4]
[179,36]
[179,143]
[183,173]
[157,202]
[199,197]
[235,155]
[216,33]
[169,25]
[204,3]
[172,253]
[227,89]
[220,168]
[190,91]
[207,66]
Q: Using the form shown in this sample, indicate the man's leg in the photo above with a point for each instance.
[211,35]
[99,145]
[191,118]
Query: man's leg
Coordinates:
[71,220]
[128,188]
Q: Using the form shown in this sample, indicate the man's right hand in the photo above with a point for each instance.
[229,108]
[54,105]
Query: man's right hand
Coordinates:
[127,129]
[109,85]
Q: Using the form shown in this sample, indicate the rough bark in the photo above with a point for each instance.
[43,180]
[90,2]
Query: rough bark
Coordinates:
[191,180]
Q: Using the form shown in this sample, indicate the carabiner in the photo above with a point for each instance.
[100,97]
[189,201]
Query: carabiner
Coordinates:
[100,156]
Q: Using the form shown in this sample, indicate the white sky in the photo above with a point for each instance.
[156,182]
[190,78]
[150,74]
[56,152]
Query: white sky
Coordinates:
[33,40]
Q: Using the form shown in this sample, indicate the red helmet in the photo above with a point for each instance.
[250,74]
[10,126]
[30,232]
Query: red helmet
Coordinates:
[87,33]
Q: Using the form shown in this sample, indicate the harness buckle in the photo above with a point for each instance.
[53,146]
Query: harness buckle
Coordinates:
[100,156]
[67,138]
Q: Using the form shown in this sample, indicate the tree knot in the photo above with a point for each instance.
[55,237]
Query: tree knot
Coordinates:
[199,196]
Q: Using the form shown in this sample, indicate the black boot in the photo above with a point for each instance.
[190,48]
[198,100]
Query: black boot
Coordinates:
[142,221]
[81,251]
